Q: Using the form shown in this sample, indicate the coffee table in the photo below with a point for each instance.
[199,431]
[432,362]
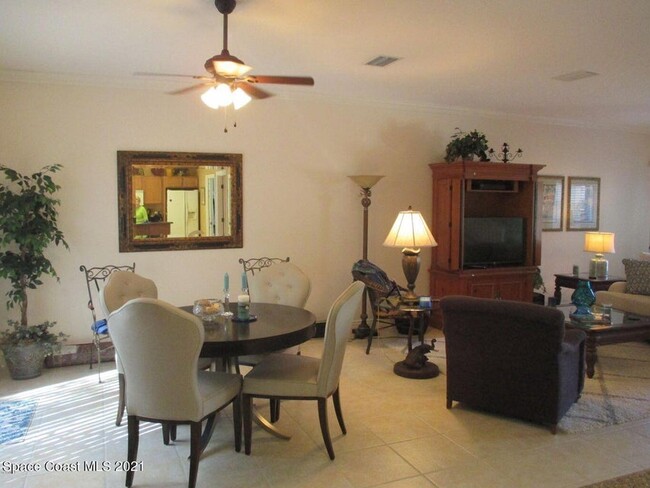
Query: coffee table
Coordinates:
[624,327]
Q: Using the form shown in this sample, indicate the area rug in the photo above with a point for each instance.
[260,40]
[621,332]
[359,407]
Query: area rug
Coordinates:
[619,392]
[15,419]
[634,480]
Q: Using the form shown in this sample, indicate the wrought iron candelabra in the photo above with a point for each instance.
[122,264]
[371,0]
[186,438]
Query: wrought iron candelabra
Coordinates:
[505,156]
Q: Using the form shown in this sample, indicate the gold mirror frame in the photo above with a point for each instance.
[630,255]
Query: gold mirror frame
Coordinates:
[130,162]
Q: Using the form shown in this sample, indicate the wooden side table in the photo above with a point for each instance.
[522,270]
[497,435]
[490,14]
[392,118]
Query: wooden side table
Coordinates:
[571,281]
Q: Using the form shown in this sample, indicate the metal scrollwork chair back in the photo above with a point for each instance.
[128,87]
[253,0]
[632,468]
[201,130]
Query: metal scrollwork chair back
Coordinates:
[257,264]
[95,279]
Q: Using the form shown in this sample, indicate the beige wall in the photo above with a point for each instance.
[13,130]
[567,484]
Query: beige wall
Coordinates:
[298,200]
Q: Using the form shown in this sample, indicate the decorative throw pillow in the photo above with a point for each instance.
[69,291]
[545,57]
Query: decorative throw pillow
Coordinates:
[637,275]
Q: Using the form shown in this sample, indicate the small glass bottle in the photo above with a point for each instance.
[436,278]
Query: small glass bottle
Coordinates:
[607,312]
[226,304]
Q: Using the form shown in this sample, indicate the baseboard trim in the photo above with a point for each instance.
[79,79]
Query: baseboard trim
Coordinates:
[74,354]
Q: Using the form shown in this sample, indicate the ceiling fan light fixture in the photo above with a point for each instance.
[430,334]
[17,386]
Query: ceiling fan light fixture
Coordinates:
[226,65]
[230,68]
[240,98]
[217,96]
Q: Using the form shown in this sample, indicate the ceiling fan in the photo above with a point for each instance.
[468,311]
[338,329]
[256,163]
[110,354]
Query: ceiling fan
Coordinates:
[228,82]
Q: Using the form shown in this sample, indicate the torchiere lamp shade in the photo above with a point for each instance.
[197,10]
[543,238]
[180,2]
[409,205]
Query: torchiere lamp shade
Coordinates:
[366,181]
[410,232]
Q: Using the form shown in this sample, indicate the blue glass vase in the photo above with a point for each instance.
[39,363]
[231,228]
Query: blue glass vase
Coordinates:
[583,298]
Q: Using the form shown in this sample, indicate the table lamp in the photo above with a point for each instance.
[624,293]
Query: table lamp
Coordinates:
[410,232]
[599,242]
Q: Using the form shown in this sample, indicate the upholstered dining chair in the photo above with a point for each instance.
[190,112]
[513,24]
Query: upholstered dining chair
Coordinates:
[121,287]
[275,280]
[96,277]
[512,358]
[384,295]
[299,377]
[159,347]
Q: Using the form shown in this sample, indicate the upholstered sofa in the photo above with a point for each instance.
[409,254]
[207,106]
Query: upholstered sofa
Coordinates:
[512,358]
[632,295]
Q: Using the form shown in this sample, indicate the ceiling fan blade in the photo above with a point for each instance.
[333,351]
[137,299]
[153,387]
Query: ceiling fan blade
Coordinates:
[252,91]
[196,77]
[189,89]
[281,80]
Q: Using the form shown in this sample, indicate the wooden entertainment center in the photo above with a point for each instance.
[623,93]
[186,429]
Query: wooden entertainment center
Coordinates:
[502,195]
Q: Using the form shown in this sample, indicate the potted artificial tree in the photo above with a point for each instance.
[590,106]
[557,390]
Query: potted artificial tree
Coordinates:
[467,146]
[28,225]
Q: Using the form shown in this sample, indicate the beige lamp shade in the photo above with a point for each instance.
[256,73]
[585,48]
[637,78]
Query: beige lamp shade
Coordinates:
[366,181]
[599,242]
[410,231]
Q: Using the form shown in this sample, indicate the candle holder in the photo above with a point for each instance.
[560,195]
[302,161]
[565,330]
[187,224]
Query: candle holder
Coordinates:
[505,156]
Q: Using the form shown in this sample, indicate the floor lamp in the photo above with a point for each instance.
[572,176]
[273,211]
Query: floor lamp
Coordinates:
[366,182]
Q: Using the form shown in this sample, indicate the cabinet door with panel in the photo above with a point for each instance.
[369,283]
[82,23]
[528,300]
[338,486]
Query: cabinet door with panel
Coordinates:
[180,182]
[152,186]
[505,287]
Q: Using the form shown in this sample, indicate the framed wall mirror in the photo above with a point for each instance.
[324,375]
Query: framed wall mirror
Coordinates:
[179,201]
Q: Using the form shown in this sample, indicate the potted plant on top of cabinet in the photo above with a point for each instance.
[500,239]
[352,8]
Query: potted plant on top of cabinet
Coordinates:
[466,146]
[28,226]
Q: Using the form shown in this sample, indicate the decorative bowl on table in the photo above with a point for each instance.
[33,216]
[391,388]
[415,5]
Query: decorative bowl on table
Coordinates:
[208,308]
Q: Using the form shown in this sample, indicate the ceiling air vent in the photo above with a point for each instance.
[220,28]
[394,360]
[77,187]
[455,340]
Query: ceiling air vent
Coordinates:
[382,61]
[575,75]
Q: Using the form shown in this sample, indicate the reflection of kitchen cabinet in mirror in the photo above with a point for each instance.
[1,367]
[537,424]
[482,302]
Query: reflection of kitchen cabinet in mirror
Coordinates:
[176,201]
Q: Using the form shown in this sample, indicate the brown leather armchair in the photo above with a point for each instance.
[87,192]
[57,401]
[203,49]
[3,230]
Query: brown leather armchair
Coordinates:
[512,358]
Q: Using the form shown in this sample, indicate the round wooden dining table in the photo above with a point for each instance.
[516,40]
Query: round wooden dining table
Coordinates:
[276,327]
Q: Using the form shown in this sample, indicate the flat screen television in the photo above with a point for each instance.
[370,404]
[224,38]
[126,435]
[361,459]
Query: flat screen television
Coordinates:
[491,242]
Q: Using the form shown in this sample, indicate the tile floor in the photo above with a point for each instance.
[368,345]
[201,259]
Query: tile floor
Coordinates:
[400,435]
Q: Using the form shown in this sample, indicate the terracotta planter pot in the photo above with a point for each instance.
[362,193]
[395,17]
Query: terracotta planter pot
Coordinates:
[24,361]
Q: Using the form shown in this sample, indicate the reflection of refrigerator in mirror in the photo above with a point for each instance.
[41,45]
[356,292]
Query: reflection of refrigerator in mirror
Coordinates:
[183,212]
